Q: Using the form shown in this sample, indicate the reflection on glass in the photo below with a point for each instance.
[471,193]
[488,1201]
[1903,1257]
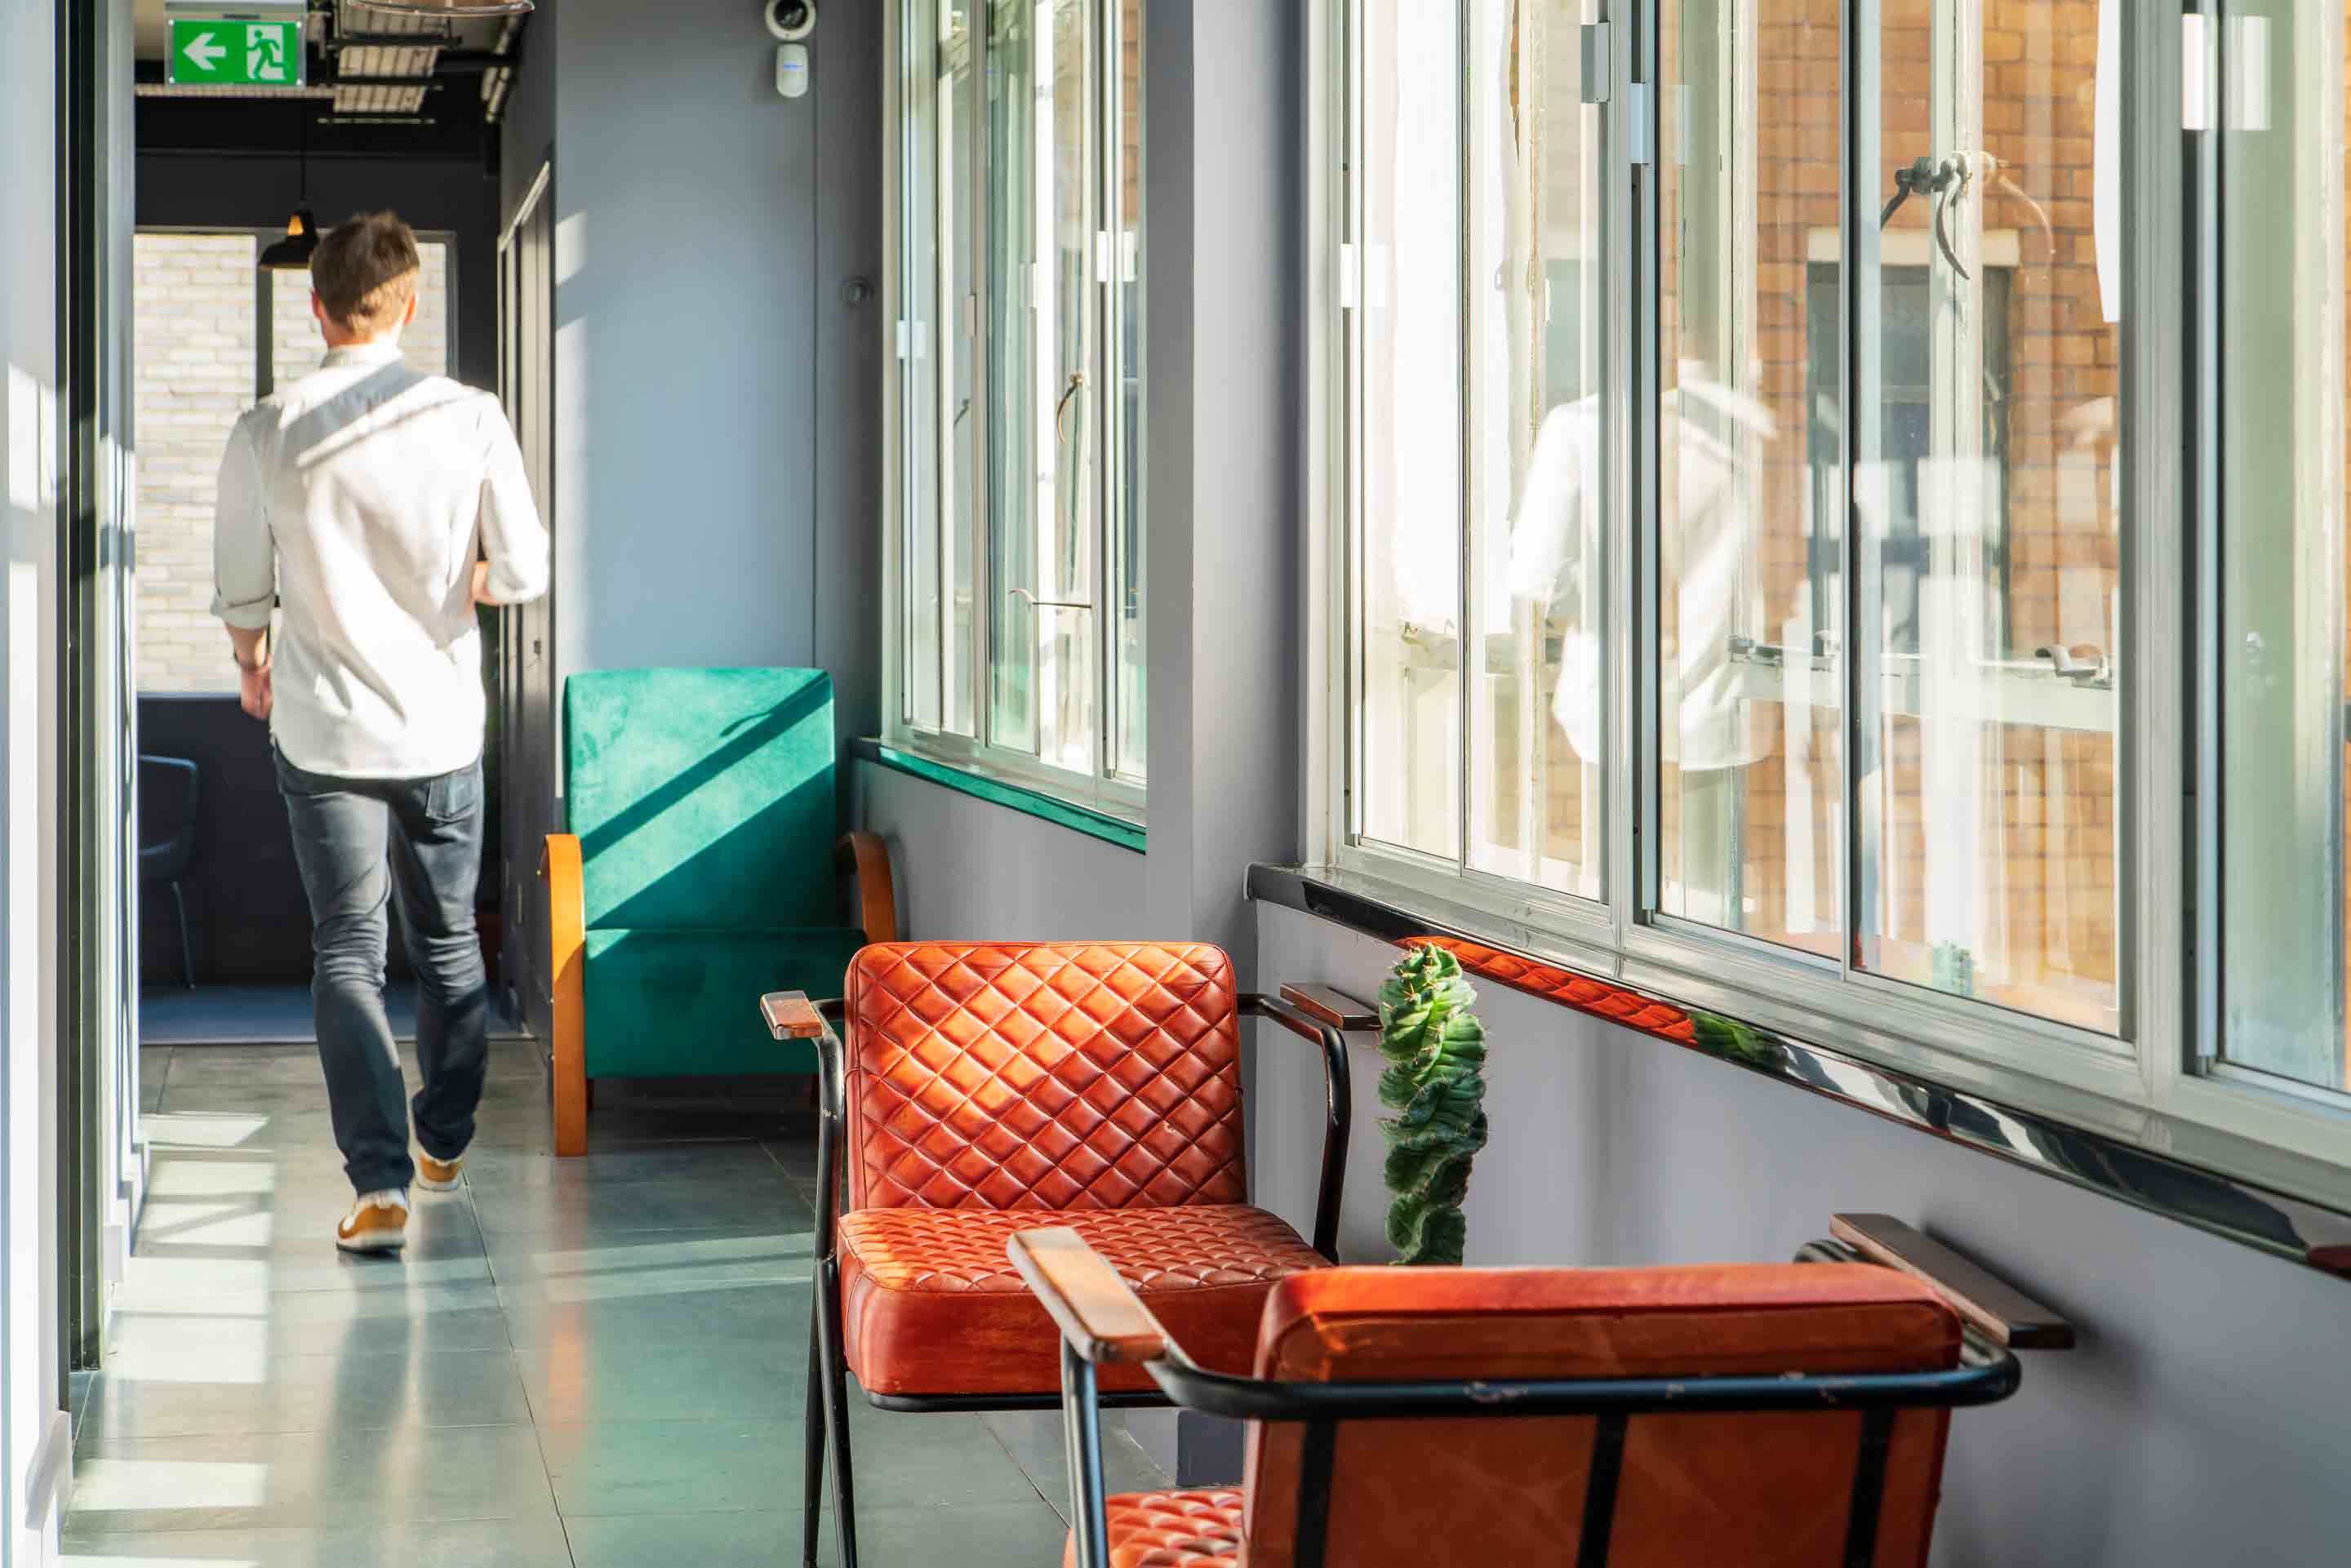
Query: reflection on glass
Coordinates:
[2282,556]
[1069,403]
[1045,495]
[1129,738]
[1407,477]
[934,75]
[1019,205]
[1750,592]
[1989,527]
[1536,792]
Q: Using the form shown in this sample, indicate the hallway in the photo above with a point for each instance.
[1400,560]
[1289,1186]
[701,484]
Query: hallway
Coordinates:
[597,1363]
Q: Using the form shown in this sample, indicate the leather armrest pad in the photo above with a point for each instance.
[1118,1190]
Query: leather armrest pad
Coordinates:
[1098,1314]
[1993,1305]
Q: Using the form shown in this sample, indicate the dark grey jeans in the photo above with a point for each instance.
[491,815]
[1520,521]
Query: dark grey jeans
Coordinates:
[361,844]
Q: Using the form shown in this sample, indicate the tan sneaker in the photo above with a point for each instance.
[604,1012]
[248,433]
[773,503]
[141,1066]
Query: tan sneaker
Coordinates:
[378,1222]
[435,1176]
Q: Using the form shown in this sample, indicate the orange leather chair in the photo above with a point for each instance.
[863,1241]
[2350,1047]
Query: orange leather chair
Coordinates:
[1759,1415]
[987,1088]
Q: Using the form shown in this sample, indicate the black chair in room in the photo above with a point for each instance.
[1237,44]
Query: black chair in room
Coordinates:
[169,787]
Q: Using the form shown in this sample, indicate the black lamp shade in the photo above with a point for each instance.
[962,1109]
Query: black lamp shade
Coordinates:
[293,252]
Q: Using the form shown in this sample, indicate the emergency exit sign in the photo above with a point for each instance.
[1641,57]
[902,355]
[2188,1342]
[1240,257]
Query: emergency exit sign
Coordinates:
[235,54]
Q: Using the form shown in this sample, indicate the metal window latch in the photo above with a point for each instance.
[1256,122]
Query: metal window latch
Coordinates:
[1599,62]
[1640,139]
[2195,51]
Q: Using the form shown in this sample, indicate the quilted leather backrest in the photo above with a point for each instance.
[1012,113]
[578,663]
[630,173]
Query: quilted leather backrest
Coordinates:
[703,798]
[1043,1076]
[1764,1489]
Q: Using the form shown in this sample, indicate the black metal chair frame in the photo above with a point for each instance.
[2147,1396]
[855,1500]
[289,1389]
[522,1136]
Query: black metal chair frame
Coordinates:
[1987,1374]
[195,795]
[828,1394]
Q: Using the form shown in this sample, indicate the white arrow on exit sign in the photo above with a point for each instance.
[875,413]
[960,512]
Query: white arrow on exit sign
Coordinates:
[205,52]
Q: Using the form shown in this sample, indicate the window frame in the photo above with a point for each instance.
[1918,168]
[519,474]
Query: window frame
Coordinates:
[1106,788]
[2165,962]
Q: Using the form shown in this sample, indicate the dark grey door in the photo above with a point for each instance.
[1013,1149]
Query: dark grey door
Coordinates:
[526,661]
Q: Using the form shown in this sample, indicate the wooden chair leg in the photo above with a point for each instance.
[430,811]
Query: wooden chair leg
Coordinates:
[570,1101]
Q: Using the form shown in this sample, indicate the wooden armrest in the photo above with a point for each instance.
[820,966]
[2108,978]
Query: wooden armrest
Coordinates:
[1336,1009]
[877,896]
[1999,1309]
[791,1016]
[1103,1320]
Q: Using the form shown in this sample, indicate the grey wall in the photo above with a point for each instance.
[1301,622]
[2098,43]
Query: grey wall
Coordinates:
[968,868]
[2201,1420]
[713,389]
[206,190]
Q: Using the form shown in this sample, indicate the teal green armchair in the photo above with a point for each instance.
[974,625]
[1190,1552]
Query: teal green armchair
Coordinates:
[701,868]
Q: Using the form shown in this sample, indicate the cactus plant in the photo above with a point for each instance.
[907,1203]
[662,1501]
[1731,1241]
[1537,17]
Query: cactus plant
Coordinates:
[1436,1051]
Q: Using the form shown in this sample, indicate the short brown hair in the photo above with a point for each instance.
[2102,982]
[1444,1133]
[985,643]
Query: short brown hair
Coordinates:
[365,272]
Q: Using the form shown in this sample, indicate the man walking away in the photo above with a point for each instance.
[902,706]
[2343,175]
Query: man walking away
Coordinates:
[375,507]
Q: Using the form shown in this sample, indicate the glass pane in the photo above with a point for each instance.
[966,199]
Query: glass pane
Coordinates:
[1406,447]
[956,295]
[1069,405]
[1017,125]
[1044,486]
[1130,739]
[935,220]
[1536,792]
[2282,551]
[1986,490]
[1751,588]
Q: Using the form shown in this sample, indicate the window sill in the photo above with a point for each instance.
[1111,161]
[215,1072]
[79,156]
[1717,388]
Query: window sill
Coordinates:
[997,791]
[2143,1167]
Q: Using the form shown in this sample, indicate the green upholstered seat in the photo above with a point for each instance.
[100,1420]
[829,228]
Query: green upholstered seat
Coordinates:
[703,804]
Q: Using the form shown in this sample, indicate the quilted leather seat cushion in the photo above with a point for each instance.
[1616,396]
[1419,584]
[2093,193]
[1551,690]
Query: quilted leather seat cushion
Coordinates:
[1766,1490]
[1043,1076]
[931,1303]
[1171,1530]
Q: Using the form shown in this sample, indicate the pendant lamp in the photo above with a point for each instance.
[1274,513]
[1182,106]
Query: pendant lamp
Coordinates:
[293,252]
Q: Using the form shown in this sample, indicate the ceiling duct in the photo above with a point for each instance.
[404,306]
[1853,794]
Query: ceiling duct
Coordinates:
[457,8]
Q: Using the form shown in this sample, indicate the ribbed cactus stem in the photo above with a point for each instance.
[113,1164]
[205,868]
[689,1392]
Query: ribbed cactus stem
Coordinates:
[1435,1083]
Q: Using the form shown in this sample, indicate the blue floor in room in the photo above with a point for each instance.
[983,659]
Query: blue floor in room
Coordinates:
[596,1362]
[248,1015]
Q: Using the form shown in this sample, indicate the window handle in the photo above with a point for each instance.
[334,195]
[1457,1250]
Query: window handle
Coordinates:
[1037,603]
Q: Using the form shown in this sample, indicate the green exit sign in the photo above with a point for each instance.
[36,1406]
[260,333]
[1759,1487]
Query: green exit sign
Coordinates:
[235,54]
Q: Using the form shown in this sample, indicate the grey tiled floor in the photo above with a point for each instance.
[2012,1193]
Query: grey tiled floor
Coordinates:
[597,1363]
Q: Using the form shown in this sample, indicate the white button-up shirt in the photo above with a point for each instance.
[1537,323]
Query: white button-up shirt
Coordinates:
[358,500]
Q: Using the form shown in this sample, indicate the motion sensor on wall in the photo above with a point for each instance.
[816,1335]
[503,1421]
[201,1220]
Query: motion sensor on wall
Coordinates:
[791,21]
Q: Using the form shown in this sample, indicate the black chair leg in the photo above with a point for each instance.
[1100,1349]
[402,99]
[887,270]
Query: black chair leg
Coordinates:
[187,951]
[836,1410]
[812,1471]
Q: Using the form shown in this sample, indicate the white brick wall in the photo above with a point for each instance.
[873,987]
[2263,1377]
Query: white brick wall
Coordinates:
[193,301]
